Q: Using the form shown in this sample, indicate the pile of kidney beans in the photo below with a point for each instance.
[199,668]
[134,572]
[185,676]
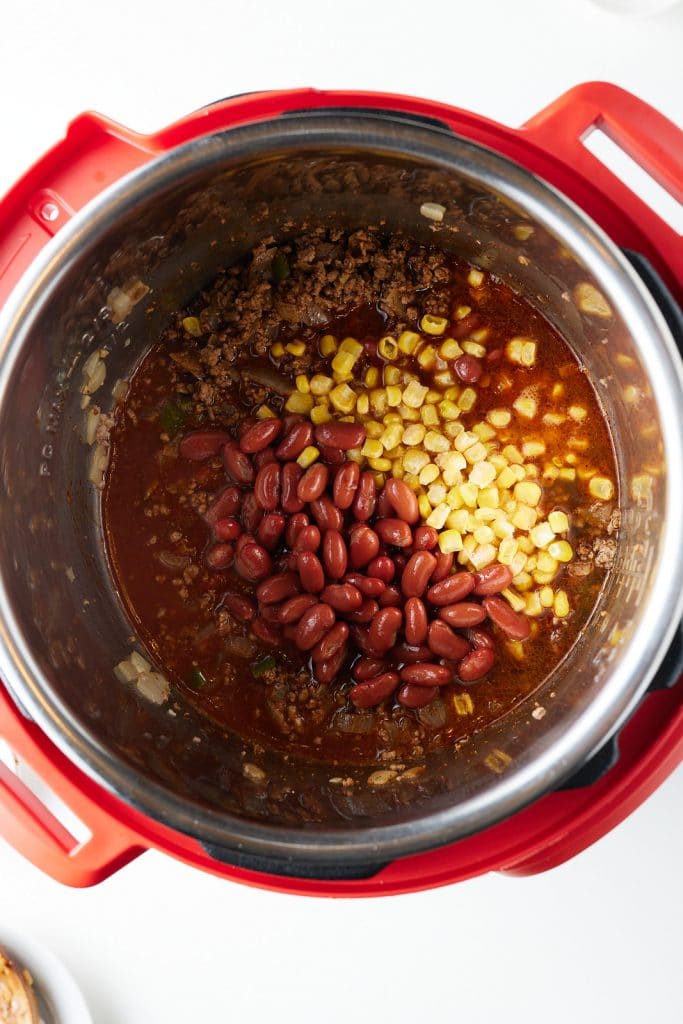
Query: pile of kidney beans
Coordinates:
[339,568]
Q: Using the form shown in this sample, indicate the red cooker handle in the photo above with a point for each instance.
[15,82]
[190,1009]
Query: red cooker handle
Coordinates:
[654,142]
[36,833]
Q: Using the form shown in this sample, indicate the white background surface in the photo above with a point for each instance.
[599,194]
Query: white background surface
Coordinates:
[598,939]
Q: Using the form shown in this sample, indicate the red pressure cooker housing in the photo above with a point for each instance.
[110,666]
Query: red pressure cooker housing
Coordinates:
[97,152]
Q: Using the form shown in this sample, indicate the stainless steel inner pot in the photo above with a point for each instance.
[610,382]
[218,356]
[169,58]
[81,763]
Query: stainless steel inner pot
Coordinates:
[171,225]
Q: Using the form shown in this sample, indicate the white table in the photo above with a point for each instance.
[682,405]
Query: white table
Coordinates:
[598,939]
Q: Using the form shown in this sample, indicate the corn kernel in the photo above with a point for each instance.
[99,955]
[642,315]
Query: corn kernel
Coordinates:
[308,456]
[484,535]
[526,405]
[601,488]
[523,581]
[427,357]
[559,521]
[264,413]
[463,703]
[192,325]
[318,384]
[528,493]
[475,278]
[414,394]
[532,449]
[499,417]
[558,390]
[388,347]
[378,401]
[458,518]
[543,578]
[561,604]
[295,348]
[298,403]
[438,516]
[506,478]
[443,379]
[328,345]
[450,349]
[502,527]
[433,324]
[469,494]
[484,514]
[513,454]
[408,415]
[507,549]
[554,419]
[352,346]
[414,434]
[429,416]
[533,606]
[391,436]
[381,465]
[546,563]
[462,311]
[525,543]
[467,399]
[362,405]
[355,455]
[514,600]
[436,494]
[372,449]
[483,474]
[577,412]
[372,376]
[543,535]
[561,550]
[343,398]
[450,541]
[428,474]
[408,342]
[277,350]
[343,363]
[320,414]
[424,507]
[473,348]
[302,383]
[391,375]
[567,474]
[476,453]
[434,442]
[546,597]
[517,564]
[483,555]
[379,480]
[524,517]
[413,462]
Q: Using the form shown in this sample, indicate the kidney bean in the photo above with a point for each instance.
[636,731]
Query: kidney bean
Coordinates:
[342,597]
[384,507]
[289,478]
[237,464]
[243,540]
[394,532]
[372,692]
[425,538]
[331,642]
[226,503]
[367,668]
[479,636]
[407,654]
[240,607]
[267,487]
[332,456]
[363,546]
[417,572]
[513,624]
[313,625]
[253,562]
[295,440]
[227,529]
[264,458]
[335,555]
[252,513]
[326,513]
[453,589]
[416,623]
[403,500]
[346,484]
[371,348]
[269,612]
[270,531]
[365,613]
[445,643]
[468,369]
[340,435]
[416,696]
[492,579]
[292,610]
[476,664]
[362,642]
[290,419]
[278,588]
[289,632]
[426,674]
[246,424]
[294,528]
[311,572]
[313,482]
[366,497]
[463,614]
[265,631]
[494,355]
[308,539]
[219,556]
[382,568]
[260,435]
[390,598]
[325,671]
[369,586]
[202,444]
[384,628]
[444,564]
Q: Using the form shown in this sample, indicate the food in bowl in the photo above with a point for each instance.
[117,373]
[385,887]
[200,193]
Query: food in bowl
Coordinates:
[361,499]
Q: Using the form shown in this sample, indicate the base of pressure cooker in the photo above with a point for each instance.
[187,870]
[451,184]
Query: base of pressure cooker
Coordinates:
[94,154]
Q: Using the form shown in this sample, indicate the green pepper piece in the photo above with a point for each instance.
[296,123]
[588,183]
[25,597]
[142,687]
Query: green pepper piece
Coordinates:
[172,417]
[280,267]
[197,679]
[258,668]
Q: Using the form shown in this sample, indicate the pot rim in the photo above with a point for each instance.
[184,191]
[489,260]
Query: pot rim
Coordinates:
[520,785]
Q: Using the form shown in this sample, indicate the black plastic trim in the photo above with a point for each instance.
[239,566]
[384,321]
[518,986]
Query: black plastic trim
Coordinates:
[290,868]
[381,113]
